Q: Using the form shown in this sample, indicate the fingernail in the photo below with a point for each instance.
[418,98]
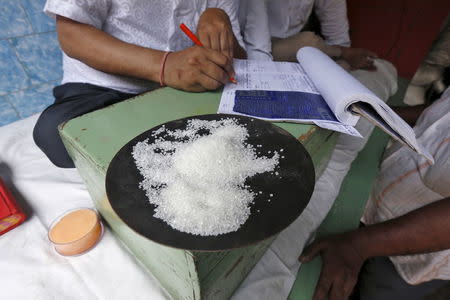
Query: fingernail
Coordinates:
[233,80]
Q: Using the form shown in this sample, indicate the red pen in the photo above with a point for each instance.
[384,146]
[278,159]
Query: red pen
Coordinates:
[196,41]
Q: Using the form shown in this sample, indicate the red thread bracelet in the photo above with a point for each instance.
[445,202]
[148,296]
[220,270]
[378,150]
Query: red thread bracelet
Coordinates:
[161,71]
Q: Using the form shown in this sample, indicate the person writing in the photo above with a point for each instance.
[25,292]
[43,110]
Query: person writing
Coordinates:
[114,50]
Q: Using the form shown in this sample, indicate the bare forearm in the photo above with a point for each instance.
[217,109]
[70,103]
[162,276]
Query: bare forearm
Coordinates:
[421,231]
[103,52]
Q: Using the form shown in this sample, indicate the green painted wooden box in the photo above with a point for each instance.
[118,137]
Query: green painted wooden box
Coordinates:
[92,141]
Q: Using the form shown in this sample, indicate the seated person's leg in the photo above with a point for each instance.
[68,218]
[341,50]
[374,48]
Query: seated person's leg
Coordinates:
[380,281]
[382,82]
[286,49]
[71,100]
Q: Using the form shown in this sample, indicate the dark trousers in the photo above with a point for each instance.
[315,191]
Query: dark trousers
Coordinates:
[71,100]
[379,280]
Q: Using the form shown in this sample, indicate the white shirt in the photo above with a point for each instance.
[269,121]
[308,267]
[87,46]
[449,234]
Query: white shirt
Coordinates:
[407,182]
[148,23]
[262,19]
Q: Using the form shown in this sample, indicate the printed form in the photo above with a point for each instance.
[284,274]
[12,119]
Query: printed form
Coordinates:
[280,92]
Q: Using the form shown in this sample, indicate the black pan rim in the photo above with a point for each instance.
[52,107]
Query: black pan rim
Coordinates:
[141,136]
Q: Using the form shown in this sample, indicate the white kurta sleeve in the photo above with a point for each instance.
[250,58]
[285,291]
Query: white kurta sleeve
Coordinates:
[437,176]
[93,13]
[257,31]
[332,15]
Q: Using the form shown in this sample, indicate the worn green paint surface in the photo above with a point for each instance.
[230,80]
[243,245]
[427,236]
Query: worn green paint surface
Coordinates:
[92,141]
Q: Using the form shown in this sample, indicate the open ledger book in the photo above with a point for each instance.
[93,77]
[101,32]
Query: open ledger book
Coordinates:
[316,90]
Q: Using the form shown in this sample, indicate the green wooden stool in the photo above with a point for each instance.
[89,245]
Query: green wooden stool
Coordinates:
[92,141]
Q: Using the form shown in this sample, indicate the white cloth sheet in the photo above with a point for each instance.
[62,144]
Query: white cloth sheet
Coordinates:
[31,269]
[29,266]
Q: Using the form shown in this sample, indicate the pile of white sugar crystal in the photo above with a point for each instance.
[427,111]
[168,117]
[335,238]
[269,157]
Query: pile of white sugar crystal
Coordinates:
[197,182]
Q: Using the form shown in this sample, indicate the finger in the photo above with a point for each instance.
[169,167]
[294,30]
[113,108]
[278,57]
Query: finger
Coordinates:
[195,77]
[209,83]
[223,61]
[337,289]
[311,251]
[348,286]
[215,41]
[370,66]
[224,44]
[213,71]
[204,39]
[231,42]
[323,286]
[196,88]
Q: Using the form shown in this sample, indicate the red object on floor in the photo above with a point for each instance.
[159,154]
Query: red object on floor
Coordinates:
[400,31]
[10,214]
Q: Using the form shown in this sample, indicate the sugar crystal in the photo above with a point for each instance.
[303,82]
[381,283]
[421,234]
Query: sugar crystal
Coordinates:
[197,180]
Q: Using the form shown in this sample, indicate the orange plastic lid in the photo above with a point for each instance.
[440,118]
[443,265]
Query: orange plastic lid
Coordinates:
[76,231]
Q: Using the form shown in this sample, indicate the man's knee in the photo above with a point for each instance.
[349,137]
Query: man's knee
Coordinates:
[46,128]
[46,137]
[381,281]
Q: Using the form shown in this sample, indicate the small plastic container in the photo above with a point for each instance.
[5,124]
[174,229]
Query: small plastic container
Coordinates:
[76,231]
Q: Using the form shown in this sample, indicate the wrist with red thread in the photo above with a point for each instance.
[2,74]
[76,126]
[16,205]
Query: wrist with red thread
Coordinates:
[161,70]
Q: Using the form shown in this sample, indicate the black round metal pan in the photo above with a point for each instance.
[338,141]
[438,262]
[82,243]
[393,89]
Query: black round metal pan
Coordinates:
[291,190]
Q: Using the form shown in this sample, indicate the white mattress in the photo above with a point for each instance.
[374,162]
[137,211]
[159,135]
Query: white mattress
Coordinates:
[31,269]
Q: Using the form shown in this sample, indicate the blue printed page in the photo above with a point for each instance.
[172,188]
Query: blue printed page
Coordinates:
[282,105]
[252,75]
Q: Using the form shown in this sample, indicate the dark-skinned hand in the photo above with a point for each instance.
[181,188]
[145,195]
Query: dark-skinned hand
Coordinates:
[341,263]
[359,58]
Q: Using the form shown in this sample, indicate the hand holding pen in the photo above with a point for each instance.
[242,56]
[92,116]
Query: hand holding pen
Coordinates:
[196,41]
[209,64]
[196,69]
